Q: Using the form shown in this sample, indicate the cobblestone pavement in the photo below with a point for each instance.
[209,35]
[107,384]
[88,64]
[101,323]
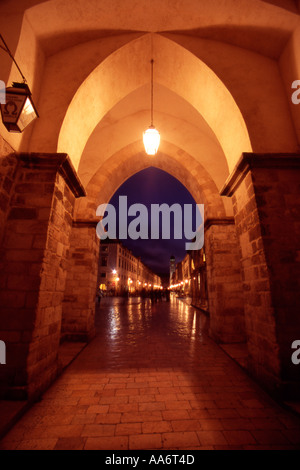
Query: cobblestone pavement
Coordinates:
[152,379]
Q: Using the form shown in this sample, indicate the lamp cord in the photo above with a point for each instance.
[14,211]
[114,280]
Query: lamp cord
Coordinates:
[152,92]
[6,49]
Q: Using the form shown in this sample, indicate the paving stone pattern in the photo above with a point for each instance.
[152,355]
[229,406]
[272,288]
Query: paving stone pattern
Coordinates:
[153,379]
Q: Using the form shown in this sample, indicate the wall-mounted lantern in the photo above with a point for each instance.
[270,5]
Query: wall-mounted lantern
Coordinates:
[17,109]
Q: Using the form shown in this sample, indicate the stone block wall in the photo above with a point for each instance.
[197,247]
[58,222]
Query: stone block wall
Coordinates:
[277,193]
[266,199]
[224,283]
[33,271]
[81,285]
[259,309]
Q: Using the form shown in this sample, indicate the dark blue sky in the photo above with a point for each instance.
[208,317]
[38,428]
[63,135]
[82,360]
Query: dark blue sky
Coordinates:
[154,186]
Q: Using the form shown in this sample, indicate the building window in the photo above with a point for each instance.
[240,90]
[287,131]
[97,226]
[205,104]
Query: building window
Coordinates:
[104,261]
[103,274]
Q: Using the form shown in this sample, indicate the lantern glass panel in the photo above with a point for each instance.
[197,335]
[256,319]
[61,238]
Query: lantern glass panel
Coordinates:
[27,115]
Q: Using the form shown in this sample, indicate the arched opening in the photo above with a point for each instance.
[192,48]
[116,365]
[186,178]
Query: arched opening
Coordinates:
[148,187]
[222,260]
[103,138]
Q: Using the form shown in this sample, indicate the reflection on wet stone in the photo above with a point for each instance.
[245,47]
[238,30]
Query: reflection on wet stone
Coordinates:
[153,379]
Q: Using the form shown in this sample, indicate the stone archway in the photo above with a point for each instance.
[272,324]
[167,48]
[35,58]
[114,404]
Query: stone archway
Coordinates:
[132,159]
[225,75]
[224,277]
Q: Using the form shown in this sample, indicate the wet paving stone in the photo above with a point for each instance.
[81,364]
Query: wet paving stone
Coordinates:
[153,379]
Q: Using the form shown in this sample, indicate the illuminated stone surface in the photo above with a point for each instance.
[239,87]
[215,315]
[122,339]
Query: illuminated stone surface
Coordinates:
[153,379]
[222,88]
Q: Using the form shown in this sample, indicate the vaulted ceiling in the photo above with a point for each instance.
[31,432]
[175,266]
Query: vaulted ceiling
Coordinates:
[222,75]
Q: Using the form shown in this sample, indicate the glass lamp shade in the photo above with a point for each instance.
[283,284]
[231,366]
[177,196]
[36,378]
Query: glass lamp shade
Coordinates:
[151,139]
[18,111]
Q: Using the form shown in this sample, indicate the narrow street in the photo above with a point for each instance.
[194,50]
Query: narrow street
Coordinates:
[152,379]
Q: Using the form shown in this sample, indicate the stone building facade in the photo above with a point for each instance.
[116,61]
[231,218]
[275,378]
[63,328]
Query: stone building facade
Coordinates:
[199,279]
[120,272]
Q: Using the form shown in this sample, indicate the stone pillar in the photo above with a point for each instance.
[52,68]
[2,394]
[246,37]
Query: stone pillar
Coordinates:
[266,198]
[224,282]
[33,271]
[78,323]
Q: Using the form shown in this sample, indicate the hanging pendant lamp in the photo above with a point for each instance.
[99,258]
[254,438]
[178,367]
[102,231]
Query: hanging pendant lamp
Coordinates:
[151,136]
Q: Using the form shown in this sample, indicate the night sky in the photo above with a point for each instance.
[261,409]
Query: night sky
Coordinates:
[155,186]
